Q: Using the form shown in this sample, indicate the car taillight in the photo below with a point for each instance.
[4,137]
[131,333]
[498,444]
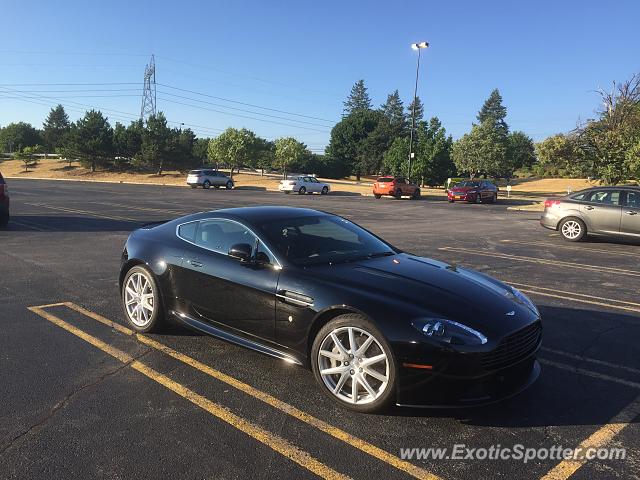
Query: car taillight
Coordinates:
[550,203]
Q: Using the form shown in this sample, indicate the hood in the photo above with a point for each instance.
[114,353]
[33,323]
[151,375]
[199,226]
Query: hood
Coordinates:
[440,289]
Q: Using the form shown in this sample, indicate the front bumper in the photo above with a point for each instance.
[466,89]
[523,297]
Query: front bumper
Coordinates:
[461,196]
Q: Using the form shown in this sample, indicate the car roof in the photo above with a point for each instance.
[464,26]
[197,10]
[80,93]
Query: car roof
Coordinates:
[259,214]
[614,187]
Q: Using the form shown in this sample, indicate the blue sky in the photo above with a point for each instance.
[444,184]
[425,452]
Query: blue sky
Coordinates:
[546,57]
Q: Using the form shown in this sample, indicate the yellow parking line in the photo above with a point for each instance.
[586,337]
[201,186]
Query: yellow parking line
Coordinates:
[595,361]
[83,212]
[589,373]
[555,290]
[557,263]
[274,402]
[580,300]
[598,439]
[571,247]
[269,439]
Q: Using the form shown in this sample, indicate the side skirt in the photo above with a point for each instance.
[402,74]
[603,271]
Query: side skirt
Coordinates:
[230,337]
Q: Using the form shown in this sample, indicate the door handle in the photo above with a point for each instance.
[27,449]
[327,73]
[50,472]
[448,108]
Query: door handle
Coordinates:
[194,263]
[631,212]
[589,207]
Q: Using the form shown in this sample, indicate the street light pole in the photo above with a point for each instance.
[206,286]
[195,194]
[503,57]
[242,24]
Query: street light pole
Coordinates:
[418,47]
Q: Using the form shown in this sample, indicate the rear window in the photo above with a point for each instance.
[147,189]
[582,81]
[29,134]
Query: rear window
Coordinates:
[188,231]
[385,179]
[195,172]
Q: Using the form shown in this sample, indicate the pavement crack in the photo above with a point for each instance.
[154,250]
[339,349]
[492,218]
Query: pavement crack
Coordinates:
[67,398]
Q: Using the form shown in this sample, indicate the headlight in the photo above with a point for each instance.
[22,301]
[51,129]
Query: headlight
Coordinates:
[448,331]
[522,298]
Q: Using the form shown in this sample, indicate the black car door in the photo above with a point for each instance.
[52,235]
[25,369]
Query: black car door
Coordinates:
[223,290]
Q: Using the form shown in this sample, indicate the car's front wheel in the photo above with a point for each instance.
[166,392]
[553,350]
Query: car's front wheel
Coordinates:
[377,196]
[302,191]
[229,185]
[141,300]
[206,184]
[324,191]
[572,229]
[416,194]
[354,364]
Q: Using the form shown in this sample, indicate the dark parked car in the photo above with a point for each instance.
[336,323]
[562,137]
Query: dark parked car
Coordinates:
[375,324]
[4,202]
[397,187]
[477,191]
[597,211]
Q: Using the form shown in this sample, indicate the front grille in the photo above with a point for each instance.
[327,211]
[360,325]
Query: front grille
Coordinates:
[513,347]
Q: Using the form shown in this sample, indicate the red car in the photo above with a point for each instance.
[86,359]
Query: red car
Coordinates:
[477,191]
[396,187]
[4,203]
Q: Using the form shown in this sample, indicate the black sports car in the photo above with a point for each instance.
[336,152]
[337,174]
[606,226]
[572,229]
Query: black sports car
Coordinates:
[375,324]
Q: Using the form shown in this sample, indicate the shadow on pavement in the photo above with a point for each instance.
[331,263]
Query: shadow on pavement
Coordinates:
[47,224]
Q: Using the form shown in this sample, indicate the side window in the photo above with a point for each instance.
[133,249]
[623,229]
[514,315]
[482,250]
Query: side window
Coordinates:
[187,231]
[633,199]
[220,235]
[605,197]
[579,196]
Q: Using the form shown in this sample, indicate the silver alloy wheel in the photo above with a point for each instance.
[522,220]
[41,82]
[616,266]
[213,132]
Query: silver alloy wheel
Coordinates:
[571,229]
[139,299]
[353,365]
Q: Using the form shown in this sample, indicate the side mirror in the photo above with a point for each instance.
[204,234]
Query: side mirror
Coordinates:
[241,251]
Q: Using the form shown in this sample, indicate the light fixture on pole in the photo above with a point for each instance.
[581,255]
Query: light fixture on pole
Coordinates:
[416,46]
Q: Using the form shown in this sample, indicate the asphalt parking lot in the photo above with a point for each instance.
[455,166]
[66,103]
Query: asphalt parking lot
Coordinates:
[83,397]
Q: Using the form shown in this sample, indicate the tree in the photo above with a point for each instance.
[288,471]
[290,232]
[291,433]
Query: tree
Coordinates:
[482,151]
[92,140]
[288,152]
[199,151]
[558,155]
[521,150]
[419,111]
[494,112]
[396,157]
[27,155]
[55,128]
[15,136]
[393,110]
[127,142]
[358,99]
[347,146]
[433,163]
[233,147]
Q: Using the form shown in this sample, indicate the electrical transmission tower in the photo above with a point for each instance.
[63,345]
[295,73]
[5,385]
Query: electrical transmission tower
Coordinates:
[149,90]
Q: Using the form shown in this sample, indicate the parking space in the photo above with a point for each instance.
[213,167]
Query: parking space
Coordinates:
[84,395]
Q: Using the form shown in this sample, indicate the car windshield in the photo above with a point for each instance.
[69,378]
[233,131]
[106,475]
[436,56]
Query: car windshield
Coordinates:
[385,179]
[467,184]
[324,239]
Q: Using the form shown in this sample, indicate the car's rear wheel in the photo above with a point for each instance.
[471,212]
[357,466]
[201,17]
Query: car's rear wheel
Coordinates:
[324,190]
[354,364]
[229,185]
[398,194]
[377,195]
[416,194]
[206,184]
[302,191]
[572,229]
[141,300]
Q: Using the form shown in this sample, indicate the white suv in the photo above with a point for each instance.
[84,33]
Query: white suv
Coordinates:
[206,178]
[304,184]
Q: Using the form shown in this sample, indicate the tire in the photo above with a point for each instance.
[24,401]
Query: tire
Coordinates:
[142,318]
[494,198]
[416,194]
[397,194]
[4,219]
[377,195]
[385,368]
[324,190]
[302,191]
[206,185]
[572,229]
[229,185]
[478,198]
